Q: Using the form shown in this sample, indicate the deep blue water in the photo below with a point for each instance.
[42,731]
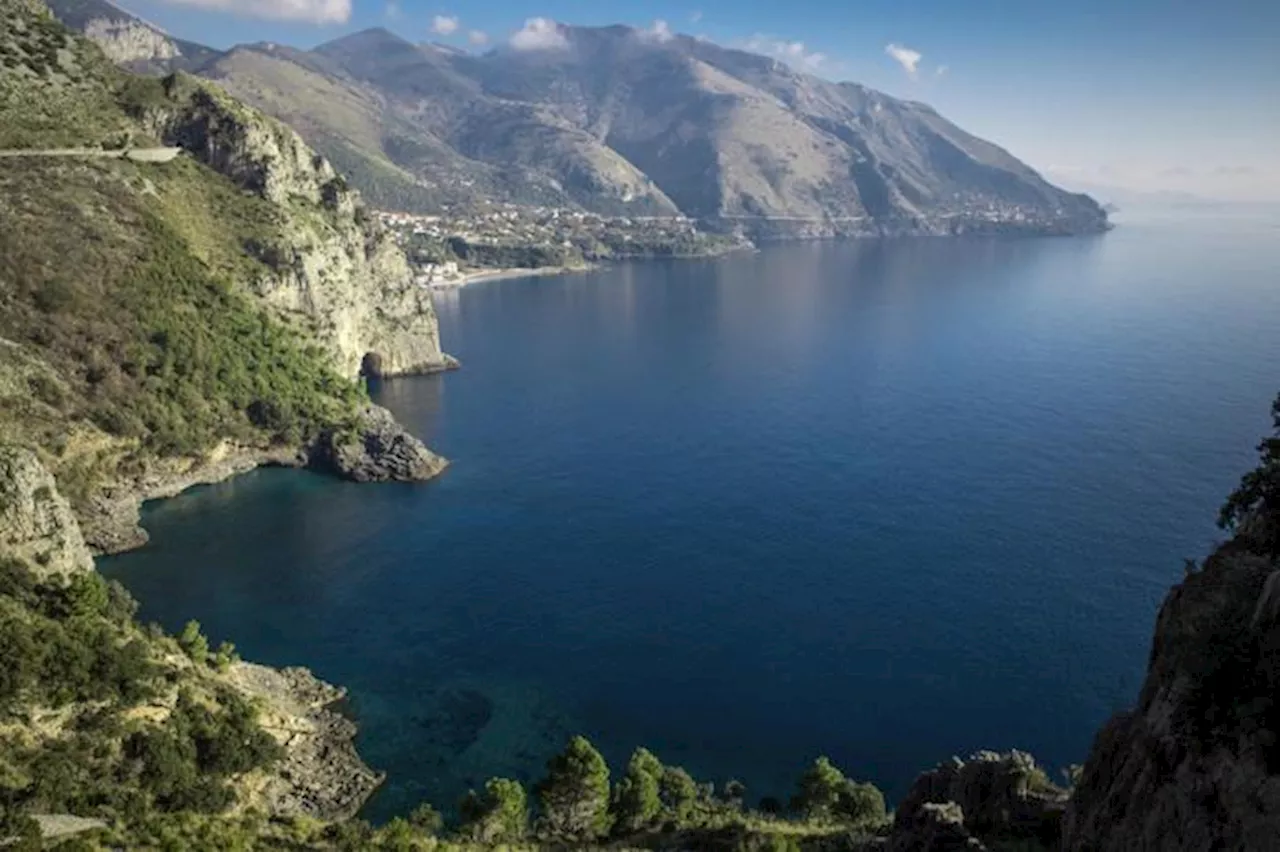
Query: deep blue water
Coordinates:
[888,501]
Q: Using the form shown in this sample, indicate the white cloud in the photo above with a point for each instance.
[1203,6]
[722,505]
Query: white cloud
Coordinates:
[792,52]
[695,16]
[941,71]
[392,10]
[310,11]
[906,57]
[477,37]
[539,34]
[660,31]
[445,24]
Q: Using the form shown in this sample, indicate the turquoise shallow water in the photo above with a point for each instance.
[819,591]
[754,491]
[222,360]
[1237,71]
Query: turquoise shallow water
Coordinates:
[885,501]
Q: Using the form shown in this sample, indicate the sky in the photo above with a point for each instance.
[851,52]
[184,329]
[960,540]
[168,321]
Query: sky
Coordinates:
[1144,95]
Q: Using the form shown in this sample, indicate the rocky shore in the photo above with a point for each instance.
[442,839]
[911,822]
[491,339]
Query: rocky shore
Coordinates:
[379,449]
[321,775]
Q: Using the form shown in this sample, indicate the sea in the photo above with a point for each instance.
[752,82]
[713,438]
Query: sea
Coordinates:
[887,501]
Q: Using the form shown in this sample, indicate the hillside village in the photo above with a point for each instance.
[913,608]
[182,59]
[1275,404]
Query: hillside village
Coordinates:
[445,248]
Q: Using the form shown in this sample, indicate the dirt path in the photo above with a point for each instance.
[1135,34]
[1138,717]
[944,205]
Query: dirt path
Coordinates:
[137,155]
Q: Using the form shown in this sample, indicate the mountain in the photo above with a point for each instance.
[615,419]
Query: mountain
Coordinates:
[129,40]
[620,121]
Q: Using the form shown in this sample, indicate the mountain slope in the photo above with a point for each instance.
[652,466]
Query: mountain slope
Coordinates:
[128,40]
[164,323]
[619,121]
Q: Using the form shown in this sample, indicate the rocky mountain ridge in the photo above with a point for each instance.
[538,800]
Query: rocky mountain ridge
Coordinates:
[615,121]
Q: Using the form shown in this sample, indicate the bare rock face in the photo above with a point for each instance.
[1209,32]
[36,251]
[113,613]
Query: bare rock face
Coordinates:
[1196,765]
[37,525]
[336,268]
[933,827]
[379,450]
[321,775]
[123,40]
[1000,795]
[111,519]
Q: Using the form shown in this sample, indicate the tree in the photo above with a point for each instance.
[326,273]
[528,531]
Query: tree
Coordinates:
[426,819]
[575,793]
[679,793]
[861,803]
[735,793]
[819,790]
[499,815]
[826,795]
[193,643]
[225,656]
[1253,509]
[636,801]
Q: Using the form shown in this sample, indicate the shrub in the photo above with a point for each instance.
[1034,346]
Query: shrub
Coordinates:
[499,815]
[1253,509]
[426,819]
[825,795]
[193,642]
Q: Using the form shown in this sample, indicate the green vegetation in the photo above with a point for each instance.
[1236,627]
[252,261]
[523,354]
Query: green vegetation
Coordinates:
[575,793]
[96,719]
[513,255]
[52,92]
[129,315]
[636,802]
[500,814]
[827,796]
[1253,509]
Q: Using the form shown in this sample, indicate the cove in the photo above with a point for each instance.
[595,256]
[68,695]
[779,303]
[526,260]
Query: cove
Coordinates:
[886,501]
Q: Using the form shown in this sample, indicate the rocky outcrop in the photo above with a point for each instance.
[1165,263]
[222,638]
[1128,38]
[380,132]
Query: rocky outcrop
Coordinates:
[321,775]
[36,522]
[378,450]
[375,449]
[124,40]
[110,520]
[334,267]
[1000,795]
[1196,765]
[933,827]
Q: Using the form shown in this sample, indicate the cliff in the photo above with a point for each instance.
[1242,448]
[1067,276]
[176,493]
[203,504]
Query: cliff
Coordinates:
[100,685]
[331,265]
[36,523]
[1196,764]
[176,321]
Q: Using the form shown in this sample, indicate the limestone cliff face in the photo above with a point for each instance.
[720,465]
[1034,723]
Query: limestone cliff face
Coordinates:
[124,40]
[36,522]
[335,267]
[1196,765]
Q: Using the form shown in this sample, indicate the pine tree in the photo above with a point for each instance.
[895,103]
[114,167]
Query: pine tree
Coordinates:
[575,793]
[636,801]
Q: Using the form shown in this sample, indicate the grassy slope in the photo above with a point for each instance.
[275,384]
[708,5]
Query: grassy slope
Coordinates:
[124,299]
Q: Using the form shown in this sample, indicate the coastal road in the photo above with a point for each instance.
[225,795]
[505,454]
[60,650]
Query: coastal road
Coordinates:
[137,155]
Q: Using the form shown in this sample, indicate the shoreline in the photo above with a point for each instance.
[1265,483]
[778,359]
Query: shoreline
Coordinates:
[479,276]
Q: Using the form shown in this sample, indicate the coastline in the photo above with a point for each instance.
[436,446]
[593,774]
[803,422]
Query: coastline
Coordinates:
[479,276]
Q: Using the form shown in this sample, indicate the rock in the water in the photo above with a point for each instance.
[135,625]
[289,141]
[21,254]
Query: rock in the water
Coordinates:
[36,522]
[933,827]
[1196,765]
[1000,795]
[379,450]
